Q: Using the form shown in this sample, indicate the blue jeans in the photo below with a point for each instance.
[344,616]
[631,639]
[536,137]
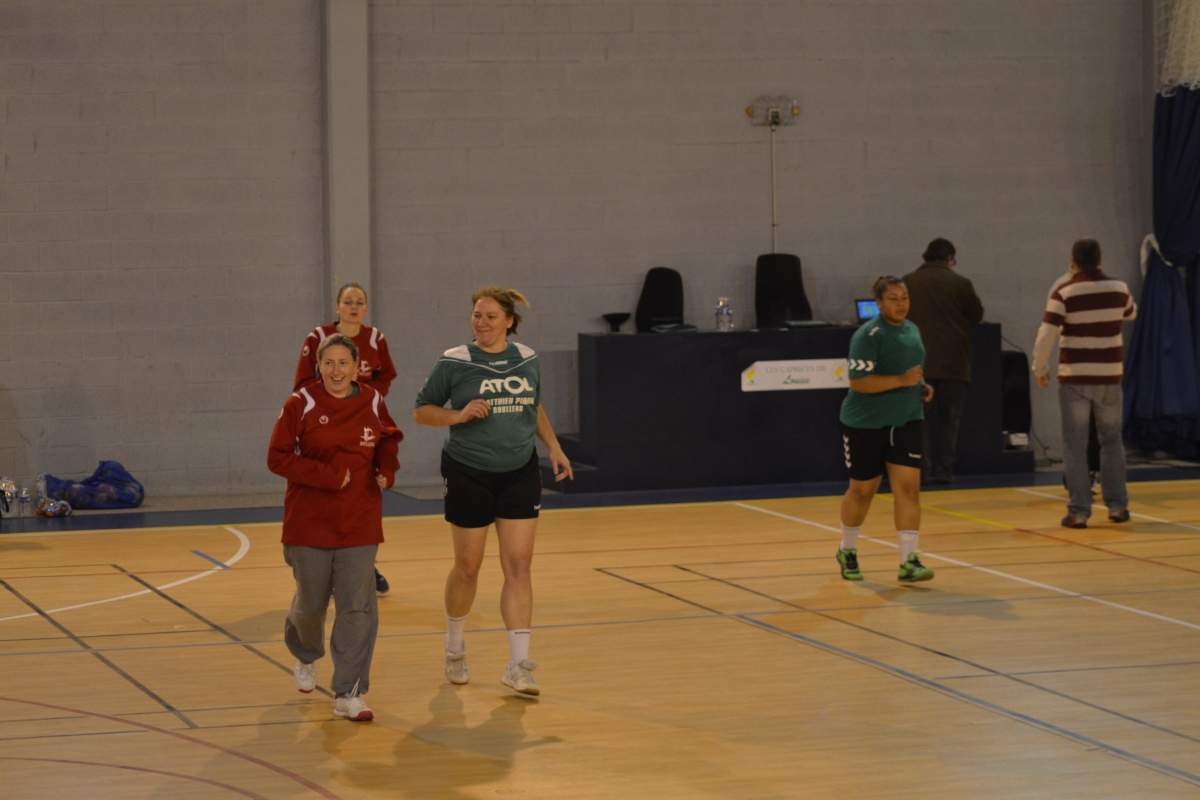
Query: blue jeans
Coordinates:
[942,418]
[1078,401]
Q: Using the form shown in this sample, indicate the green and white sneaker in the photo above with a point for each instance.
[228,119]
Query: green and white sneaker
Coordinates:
[913,570]
[848,559]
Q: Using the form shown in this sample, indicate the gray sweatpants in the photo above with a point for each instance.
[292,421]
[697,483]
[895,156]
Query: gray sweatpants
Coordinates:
[347,574]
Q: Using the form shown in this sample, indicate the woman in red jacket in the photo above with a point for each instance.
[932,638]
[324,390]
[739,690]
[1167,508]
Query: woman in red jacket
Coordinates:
[375,367]
[336,444]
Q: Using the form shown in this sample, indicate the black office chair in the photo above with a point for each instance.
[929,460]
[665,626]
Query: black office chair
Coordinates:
[661,301]
[779,291]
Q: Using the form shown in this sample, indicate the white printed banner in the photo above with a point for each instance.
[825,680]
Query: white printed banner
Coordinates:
[783,376]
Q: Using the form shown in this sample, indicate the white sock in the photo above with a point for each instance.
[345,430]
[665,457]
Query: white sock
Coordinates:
[454,634]
[849,538]
[518,644]
[908,544]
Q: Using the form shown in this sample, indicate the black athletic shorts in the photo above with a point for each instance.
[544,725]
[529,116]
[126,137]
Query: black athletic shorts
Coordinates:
[868,449]
[476,497]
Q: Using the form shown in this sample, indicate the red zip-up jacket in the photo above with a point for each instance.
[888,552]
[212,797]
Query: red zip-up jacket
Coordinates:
[375,367]
[316,439]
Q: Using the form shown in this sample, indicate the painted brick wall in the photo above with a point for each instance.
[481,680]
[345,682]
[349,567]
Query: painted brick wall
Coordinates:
[161,245]
[160,198]
[565,148]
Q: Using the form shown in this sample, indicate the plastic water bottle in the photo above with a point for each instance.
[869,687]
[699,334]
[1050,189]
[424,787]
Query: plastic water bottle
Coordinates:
[24,501]
[724,314]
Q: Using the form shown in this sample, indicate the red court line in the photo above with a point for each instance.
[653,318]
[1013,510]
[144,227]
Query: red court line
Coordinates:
[305,782]
[131,768]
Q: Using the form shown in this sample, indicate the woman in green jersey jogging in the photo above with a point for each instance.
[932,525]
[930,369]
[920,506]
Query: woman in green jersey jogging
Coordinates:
[488,393]
[881,427]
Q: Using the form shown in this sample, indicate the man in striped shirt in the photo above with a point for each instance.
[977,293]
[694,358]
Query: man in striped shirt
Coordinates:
[1088,311]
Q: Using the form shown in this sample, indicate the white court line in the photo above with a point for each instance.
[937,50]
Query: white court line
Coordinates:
[989,571]
[242,550]
[781,515]
[1036,493]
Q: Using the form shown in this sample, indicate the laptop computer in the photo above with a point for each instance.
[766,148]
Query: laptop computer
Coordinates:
[865,308]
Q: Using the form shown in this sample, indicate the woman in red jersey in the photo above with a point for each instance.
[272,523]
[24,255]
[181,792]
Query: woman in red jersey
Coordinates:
[336,444]
[375,367]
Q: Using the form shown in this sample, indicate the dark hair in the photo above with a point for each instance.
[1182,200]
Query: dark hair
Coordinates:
[350,285]
[939,250]
[337,300]
[507,298]
[338,340]
[883,283]
[1085,254]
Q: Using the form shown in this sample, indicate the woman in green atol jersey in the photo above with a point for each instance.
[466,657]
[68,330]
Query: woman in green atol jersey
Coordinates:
[881,427]
[493,390]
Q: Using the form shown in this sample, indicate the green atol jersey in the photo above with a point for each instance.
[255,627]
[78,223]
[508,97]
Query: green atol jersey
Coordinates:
[509,382]
[881,348]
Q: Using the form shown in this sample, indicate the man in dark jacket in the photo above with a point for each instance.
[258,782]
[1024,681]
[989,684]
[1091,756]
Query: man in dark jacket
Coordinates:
[946,310]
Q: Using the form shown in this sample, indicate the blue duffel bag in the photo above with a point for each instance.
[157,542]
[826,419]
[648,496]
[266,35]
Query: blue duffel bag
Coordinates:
[110,486]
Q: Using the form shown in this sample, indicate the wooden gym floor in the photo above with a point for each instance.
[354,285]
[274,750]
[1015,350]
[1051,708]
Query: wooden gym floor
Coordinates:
[705,650]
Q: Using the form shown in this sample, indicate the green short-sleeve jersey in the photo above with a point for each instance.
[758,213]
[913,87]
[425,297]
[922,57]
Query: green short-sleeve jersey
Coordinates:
[881,348]
[509,382]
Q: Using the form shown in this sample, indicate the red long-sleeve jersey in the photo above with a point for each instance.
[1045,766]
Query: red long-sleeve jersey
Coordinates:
[316,439]
[375,367]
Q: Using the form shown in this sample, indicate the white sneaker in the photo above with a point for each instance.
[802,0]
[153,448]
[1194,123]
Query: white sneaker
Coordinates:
[352,708]
[306,677]
[518,676]
[456,668]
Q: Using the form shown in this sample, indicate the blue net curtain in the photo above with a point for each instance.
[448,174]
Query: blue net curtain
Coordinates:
[1162,379]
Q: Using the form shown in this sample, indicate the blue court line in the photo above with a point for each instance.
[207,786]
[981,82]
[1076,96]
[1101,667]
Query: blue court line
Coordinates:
[207,557]
[928,683]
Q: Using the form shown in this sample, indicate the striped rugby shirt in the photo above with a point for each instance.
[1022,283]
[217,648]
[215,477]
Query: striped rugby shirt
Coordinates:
[1088,311]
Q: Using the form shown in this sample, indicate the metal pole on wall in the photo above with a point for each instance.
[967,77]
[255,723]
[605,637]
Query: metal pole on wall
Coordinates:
[774,208]
[773,112]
